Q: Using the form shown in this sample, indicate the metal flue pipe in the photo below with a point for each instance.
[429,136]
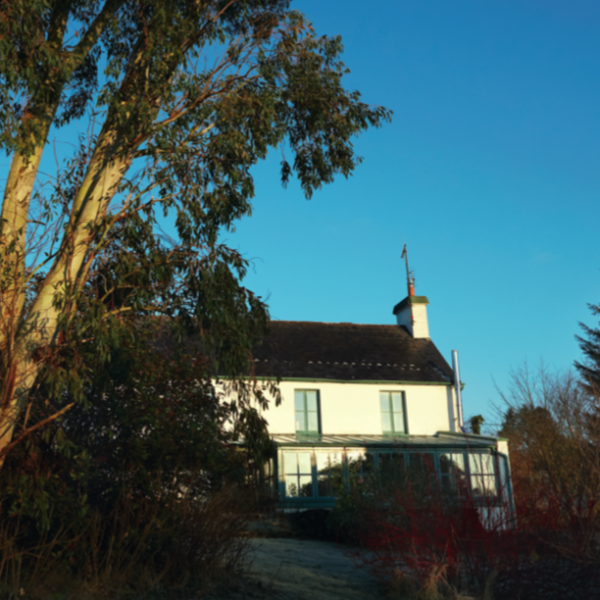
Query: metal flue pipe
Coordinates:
[459,407]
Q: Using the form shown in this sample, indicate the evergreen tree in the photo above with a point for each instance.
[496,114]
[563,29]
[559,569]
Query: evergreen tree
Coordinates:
[589,368]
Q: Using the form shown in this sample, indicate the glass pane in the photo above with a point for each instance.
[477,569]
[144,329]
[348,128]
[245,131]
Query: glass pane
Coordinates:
[323,461]
[422,461]
[368,464]
[386,422]
[460,472]
[474,463]
[421,471]
[311,401]
[338,475]
[324,474]
[397,401]
[392,458]
[360,466]
[305,485]
[490,486]
[304,463]
[487,463]
[458,461]
[448,484]
[299,401]
[290,463]
[291,487]
[452,469]
[392,468]
[398,422]
[503,474]
[477,485]
[352,457]
[355,461]
[384,401]
[313,421]
[446,465]
[324,487]
[300,421]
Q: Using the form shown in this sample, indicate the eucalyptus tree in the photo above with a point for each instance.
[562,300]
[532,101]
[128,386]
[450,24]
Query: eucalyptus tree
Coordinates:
[172,102]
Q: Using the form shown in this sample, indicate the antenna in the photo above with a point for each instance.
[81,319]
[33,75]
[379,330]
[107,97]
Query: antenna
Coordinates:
[410,280]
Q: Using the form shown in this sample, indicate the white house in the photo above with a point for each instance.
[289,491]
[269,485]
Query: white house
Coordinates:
[357,397]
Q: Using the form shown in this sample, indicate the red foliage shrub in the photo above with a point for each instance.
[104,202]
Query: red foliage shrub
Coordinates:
[474,541]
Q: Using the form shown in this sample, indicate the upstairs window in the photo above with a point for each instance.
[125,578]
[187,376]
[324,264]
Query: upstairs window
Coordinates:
[393,413]
[307,412]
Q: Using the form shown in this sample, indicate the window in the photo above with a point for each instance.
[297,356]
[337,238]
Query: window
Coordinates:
[361,466]
[311,474]
[307,412]
[392,469]
[330,474]
[322,474]
[298,474]
[452,472]
[483,475]
[393,415]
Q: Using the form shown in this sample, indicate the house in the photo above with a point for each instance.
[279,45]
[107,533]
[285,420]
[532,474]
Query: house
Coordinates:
[359,397]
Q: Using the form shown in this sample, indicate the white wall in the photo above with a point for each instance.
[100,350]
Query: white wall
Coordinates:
[353,408]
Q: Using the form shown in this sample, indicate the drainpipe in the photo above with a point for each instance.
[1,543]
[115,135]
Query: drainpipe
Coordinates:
[459,407]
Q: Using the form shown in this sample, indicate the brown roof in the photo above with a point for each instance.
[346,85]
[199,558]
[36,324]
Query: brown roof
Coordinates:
[346,351]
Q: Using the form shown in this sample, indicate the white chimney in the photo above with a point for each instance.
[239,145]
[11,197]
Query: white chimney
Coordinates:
[412,314]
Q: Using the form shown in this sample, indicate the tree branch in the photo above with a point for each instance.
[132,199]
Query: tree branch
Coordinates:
[29,431]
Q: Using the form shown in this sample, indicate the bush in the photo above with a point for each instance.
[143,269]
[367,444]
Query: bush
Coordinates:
[143,544]
[415,537]
[552,425]
[128,491]
[411,534]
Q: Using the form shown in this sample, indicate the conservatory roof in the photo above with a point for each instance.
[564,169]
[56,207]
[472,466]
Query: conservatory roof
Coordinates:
[433,442]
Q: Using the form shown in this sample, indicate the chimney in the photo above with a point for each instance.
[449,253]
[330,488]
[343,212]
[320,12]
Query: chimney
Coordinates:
[412,311]
[412,314]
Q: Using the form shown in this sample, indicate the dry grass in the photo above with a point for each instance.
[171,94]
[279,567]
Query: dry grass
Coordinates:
[434,587]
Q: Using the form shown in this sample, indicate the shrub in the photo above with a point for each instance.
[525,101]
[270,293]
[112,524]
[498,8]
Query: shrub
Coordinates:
[142,544]
[127,491]
[415,534]
[552,425]
[550,551]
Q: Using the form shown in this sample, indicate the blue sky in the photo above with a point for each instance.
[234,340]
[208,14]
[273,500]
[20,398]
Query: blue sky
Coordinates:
[489,172]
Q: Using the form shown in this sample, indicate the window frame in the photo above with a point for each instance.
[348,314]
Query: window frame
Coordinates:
[308,432]
[391,412]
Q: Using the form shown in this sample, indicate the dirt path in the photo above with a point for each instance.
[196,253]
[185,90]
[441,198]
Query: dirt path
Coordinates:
[291,569]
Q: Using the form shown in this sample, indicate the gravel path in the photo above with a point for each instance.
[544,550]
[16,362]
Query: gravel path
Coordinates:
[291,569]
